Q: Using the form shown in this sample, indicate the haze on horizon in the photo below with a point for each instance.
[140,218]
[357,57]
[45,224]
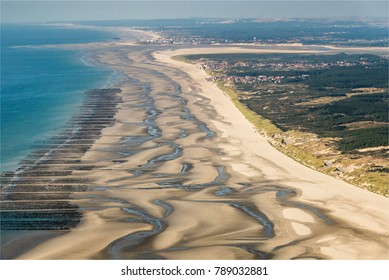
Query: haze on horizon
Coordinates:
[45,11]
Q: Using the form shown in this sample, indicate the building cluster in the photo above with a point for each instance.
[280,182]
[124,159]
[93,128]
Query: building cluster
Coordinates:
[255,79]
[163,41]
[219,65]
[264,79]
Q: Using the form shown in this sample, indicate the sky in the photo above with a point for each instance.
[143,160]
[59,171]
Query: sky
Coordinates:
[54,10]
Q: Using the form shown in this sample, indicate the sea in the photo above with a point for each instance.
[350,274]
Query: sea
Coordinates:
[41,87]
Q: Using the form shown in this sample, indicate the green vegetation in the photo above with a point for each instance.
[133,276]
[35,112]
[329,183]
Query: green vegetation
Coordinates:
[330,120]
[364,138]
[351,77]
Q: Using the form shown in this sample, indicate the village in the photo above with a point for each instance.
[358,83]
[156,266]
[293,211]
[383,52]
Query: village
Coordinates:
[222,70]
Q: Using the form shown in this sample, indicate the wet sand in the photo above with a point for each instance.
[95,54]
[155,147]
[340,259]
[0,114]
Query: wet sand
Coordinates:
[180,174]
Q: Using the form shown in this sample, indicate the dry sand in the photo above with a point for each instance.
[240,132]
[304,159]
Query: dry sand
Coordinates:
[186,193]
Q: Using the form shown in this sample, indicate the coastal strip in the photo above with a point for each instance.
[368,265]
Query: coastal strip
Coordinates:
[181,174]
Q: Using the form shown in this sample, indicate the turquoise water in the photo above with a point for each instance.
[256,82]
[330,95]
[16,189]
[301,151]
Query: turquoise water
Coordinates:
[41,88]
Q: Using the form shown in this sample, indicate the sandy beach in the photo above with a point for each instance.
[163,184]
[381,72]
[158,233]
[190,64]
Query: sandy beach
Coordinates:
[181,174]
